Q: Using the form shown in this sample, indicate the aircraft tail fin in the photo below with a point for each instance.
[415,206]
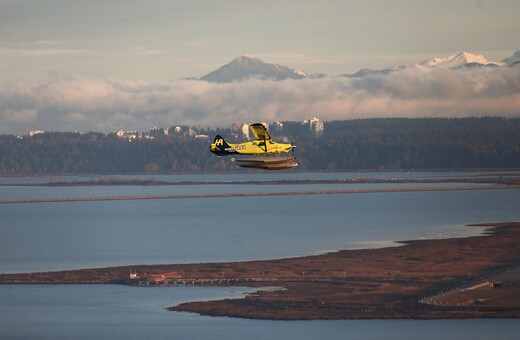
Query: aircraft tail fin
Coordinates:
[220,147]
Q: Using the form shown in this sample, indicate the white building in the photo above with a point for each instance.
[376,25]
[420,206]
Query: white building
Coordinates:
[245,130]
[157,131]
[129,135]
[316,125]
[36,132]
[277,126]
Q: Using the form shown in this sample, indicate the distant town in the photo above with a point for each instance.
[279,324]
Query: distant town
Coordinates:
[238,129]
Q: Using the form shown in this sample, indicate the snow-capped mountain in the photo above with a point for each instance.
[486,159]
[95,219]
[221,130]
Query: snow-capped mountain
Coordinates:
[463,59]
[246,67]
[365,72]
[311,75]
[515,59]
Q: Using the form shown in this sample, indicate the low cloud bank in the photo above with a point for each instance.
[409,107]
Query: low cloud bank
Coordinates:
[105,104]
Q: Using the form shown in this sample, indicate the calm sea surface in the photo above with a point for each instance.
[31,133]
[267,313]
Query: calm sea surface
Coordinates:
[54,236]
[122,312]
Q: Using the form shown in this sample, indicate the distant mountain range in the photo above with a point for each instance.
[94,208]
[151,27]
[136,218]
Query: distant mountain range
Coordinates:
[247,67]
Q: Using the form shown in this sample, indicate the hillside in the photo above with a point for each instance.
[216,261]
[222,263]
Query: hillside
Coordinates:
[344,145]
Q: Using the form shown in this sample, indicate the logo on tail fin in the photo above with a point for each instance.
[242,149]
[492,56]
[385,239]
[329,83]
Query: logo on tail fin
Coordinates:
[220,147]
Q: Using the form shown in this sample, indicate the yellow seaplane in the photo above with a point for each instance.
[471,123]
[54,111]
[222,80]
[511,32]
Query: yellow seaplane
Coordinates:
[263,146]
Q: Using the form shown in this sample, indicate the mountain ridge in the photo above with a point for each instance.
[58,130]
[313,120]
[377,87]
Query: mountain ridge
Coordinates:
[248,67]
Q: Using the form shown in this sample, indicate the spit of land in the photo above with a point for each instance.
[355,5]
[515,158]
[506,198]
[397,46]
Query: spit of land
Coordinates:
[473,277]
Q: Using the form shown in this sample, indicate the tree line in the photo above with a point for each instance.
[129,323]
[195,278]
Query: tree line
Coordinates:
[364,144]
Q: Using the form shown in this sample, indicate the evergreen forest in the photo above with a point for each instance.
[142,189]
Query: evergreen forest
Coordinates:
[364,144]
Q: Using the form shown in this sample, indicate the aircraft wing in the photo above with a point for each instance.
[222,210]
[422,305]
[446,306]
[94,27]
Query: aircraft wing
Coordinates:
[259,131]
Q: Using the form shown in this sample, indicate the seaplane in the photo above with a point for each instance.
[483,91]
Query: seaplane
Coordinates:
[265,151]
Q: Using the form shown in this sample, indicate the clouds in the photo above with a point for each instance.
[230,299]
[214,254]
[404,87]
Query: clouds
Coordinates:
[75,102]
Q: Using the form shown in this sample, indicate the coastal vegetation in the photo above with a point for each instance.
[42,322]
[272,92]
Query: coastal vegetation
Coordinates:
[389,143]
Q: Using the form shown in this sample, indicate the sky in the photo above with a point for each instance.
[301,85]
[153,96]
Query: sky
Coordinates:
[102,64]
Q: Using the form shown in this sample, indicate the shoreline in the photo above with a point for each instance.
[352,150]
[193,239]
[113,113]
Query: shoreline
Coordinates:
[108,174]
[448,184]
[382,283]
[504,178]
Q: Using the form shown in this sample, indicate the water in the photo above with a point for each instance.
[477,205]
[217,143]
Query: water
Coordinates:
[122,312]
[260,176]
[230,183]
[43,192]
[53,236]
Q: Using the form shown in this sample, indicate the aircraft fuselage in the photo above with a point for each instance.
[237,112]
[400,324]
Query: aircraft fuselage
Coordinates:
[221,148]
